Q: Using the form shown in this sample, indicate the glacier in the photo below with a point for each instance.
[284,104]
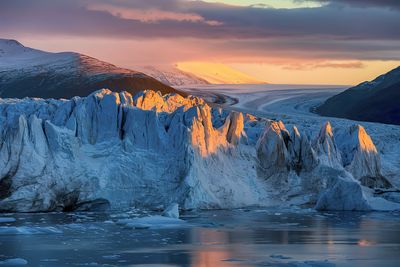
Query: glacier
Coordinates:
[114,150]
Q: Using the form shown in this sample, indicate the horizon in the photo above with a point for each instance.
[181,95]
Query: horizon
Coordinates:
[277,42]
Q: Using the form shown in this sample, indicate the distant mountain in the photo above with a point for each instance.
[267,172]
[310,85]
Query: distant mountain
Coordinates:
[29,72]
[376,101]
[172,76]
[216,73]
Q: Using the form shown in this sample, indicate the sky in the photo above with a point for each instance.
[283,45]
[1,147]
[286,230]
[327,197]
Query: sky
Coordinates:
[277,41]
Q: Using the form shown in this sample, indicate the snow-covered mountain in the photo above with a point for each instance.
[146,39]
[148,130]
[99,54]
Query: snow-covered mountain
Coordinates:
[376,101]
[150,150]
[29,72]
[172,76]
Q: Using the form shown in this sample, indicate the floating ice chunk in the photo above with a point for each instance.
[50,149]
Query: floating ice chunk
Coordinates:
[381,204]
[25,230]
[152,222]
[281,257]
[111,257]
[172,211]
[233,260]
[7,219]
[14,262]
[324,263]
[343,193]
[91,264]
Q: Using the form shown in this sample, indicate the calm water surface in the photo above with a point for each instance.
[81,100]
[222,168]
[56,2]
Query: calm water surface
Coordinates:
[253,237]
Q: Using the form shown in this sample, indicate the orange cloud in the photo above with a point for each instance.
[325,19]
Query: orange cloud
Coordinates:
[348,65]
[334,65]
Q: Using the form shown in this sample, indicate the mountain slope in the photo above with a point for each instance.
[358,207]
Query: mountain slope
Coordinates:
[29,72]
[376,101]
[172,76]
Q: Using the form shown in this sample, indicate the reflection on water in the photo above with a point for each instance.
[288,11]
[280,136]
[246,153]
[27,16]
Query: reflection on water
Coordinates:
[209,238]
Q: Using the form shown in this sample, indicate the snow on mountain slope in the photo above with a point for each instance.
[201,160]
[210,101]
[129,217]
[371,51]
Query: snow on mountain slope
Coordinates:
[216,73]
[150,150]
[13,48]
[29,72]
[172,76]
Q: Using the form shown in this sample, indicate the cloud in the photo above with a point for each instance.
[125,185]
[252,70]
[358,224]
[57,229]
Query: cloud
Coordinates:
[216,30]
[196,19]
[151,15]
[311,48]
[347,65]
[360,3]
[323,65]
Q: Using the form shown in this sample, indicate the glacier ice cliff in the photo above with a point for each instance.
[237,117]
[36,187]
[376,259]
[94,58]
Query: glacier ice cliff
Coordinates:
[113,150]
[360,157]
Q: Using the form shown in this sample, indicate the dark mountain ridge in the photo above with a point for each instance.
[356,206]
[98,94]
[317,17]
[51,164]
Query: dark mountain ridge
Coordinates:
[375,101]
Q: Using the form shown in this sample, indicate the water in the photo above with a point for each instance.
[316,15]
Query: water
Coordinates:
[253,237]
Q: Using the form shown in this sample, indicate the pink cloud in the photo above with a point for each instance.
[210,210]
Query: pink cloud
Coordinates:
[151,15]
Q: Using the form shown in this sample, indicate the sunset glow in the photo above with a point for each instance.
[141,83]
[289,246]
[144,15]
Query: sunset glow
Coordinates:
[285,41]
[218,73]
